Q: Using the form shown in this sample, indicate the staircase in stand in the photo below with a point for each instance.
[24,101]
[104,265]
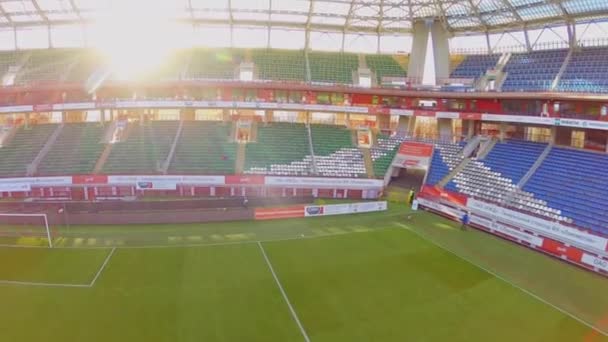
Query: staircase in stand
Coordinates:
[369,163]
[165,167]
[535,167]
[239,164]
[33,167]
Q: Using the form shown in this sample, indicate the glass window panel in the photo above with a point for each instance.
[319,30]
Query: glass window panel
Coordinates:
[325,41]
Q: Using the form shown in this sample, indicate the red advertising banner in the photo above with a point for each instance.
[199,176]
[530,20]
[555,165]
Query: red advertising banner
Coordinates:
[279,213]
[414,155]
[245,180]
[90,179]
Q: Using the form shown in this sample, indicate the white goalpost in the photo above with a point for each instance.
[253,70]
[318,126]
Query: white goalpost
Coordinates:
[18,225]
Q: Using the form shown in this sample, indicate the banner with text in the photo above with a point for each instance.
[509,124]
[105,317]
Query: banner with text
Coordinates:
[414,155]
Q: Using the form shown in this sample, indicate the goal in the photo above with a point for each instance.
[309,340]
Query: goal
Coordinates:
[15,228]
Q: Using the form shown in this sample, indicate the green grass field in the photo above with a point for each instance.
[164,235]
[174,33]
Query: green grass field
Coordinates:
[366,277]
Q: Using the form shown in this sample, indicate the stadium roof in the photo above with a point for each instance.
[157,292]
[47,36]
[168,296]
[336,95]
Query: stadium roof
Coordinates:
[374,16]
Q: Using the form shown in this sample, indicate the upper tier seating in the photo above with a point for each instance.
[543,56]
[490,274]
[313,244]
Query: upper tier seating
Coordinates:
[145,149]
[474,66]
[335,153]
[533,71]
[204,147]
[84,66]
[333,67]
[587,71]
[23,149]
[280,65]
[7,60]
[76,150]
[214,64]
[513,158]
[577,183]
[47,66]
[384,66]
[281,149]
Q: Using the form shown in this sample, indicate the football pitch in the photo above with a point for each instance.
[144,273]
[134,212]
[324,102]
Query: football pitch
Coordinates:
[365,277]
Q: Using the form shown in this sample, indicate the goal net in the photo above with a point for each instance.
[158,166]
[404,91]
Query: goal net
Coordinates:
[25,229]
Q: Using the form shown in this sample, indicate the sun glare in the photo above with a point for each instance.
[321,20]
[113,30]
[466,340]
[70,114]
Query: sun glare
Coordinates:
[135,44]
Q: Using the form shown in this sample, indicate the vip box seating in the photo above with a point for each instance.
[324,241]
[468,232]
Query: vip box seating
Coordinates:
[533,71]
[577,183]
[145,149]
[335,153]
[23,149]
[474,66]
[204,147]
[281,149]
[587,71]
[76,150]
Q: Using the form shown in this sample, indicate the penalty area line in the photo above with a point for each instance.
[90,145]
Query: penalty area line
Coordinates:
[103,266]
[497,276]
[291,309]
[30,283]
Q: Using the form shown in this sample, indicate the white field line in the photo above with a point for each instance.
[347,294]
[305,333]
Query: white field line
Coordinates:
[190,245]
[43,284]
[29,283]
[291,309]
[580,320]
[103,266]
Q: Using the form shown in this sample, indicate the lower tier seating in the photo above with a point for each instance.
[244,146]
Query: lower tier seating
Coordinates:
[145,149]
[76,150]
[204,148]
[23,149]
[280,149]
[335,153]
[513,158]
[577,183]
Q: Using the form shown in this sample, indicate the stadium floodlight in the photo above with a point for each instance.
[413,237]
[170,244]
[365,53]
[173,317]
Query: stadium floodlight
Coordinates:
[18,225]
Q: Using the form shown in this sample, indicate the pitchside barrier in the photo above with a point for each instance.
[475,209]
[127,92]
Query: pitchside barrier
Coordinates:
[319,210]
[569,244]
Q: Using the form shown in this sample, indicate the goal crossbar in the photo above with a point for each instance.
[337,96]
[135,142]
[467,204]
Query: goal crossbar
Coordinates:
[44,218]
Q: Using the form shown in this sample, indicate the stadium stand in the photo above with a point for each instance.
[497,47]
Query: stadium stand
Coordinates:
[145,148]
[281,149]
[213,64]
[383,153]
[328,67]
[533,71]
[23,148]
[446,157]
[513,158]
[577,183]
[479,180]
[87,62]
[587,71]
[204,148]
[75,151]
[47,66]
[335,153]
[280,65]
[384,66]
[474,66]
